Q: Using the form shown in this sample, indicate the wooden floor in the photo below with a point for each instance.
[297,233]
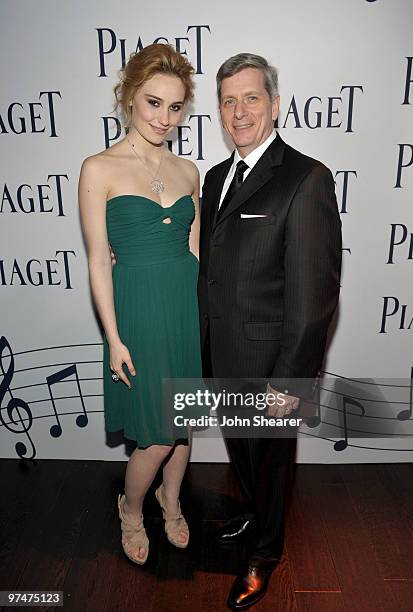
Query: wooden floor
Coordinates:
[349,544]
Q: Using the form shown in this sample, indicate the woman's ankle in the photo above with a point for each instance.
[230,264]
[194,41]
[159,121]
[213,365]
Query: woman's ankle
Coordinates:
[131,510]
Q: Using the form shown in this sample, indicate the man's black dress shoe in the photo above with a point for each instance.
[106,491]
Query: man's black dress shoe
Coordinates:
[250,586]
[234,529]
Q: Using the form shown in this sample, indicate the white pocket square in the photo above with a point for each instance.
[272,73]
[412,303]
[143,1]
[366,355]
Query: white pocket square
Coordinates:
[247,216]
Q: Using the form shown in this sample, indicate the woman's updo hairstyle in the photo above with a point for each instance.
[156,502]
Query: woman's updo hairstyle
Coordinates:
[157,58]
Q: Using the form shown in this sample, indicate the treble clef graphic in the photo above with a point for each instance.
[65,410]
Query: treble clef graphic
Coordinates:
[15,405]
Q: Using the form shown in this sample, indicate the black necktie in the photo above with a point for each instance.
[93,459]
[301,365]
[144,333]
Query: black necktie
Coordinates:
[234,186]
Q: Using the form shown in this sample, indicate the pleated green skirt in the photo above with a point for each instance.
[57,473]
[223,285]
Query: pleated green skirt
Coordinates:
[156,310]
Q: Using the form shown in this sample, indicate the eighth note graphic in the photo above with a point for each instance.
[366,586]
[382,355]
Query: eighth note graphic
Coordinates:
[341,445]
[82,420]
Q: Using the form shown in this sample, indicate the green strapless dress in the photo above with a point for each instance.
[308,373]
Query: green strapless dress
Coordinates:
[155,297]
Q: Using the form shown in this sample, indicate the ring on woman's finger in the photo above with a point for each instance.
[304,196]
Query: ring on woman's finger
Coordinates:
[115,377]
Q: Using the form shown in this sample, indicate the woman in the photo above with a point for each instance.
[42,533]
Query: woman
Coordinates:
[143,199]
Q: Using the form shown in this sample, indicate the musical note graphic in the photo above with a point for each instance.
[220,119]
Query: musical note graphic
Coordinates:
[381,409]
[314,420]
[375,416]
[341,445]
[82,420]
[18,417]
[15,405]
[405,415]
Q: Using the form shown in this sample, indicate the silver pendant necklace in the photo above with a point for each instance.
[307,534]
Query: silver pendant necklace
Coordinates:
[157,186]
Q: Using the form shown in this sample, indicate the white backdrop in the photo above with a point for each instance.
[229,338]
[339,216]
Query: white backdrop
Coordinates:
[346,83]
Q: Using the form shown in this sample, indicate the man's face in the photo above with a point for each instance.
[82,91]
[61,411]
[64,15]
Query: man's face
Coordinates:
[247,111]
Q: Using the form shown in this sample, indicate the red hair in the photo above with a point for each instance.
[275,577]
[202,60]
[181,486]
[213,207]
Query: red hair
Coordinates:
[157,58]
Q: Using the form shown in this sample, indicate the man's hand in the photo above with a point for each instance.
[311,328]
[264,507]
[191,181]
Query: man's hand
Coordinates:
[112,255]
[279,404]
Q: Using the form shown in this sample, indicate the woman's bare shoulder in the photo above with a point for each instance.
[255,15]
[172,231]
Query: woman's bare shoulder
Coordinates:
[186,166]
[103,160]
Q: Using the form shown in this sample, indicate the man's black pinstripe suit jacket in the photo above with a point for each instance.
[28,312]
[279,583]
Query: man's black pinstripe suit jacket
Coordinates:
[268,286]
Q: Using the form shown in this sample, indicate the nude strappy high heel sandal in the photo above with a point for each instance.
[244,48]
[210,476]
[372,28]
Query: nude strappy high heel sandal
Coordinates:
[133,534]
[174,524]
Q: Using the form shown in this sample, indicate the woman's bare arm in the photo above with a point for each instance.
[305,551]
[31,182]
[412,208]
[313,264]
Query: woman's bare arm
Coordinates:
[92,203]
[195,227]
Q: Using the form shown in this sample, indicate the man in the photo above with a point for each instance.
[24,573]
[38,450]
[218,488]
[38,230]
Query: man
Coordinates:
[270,256]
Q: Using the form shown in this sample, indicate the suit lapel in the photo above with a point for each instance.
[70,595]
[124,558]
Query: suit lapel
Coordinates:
[261,173]
[219,184]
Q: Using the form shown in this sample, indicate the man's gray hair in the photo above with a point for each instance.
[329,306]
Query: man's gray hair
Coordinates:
[239,62]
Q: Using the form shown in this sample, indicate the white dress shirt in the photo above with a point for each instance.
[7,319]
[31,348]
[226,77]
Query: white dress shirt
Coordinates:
[250,159]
